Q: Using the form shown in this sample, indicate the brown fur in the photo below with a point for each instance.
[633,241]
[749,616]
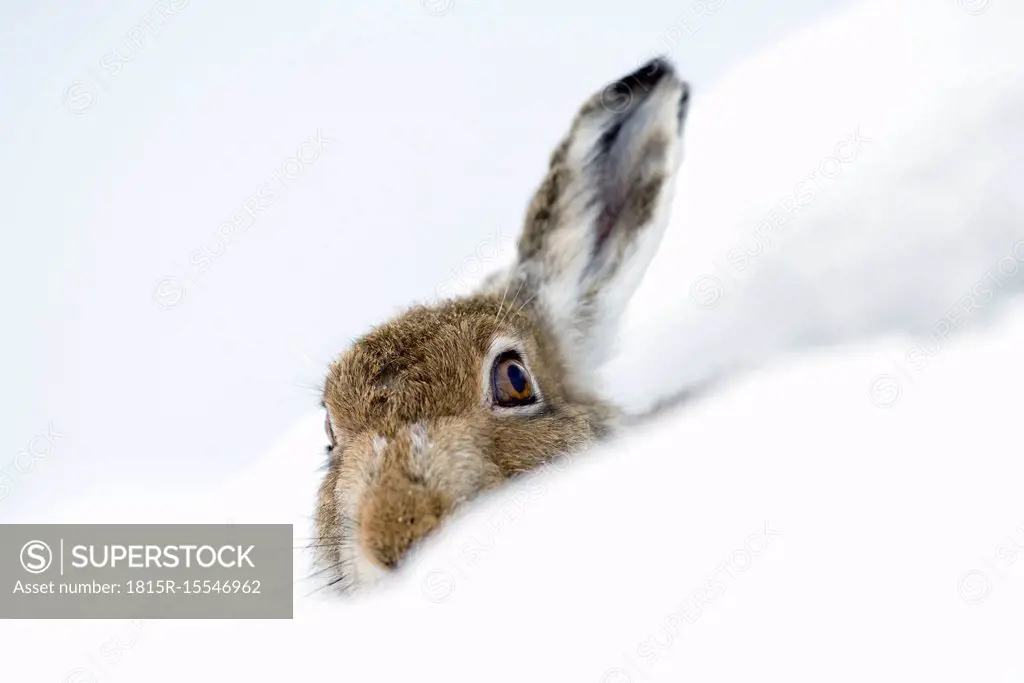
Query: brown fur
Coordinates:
[415,428]
[426,367]
[543,214]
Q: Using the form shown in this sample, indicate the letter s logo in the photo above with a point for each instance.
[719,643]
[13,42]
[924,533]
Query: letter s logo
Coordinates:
[36,557]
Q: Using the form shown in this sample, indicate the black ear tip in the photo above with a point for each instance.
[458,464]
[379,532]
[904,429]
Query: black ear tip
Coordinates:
[619,96]
[662,65]
[650,73]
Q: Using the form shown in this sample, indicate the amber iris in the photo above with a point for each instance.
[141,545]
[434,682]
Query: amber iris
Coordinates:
[511,382]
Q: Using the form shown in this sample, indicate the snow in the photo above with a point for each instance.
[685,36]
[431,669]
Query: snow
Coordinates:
[785,525]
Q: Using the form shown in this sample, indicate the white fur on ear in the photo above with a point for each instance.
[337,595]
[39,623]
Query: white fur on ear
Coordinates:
[597,220]
[861,178]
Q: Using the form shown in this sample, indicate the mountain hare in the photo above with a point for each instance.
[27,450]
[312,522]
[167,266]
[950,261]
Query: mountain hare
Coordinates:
[443,402]
[859,179]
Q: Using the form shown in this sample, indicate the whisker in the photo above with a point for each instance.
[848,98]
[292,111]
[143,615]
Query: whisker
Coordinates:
[324,570]
[326,585]
[502,304]
[526,302]
[313,389]
[514,296]
[318,572]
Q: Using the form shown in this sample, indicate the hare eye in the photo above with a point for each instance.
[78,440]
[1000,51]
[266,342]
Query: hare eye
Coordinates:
[512,384]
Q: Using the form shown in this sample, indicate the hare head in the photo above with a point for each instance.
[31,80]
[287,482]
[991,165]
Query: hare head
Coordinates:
[443,402]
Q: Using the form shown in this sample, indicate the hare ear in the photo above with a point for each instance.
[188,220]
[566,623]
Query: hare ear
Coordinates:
[597,219]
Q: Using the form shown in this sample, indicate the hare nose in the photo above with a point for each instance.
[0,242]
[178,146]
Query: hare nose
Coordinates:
[395,515]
